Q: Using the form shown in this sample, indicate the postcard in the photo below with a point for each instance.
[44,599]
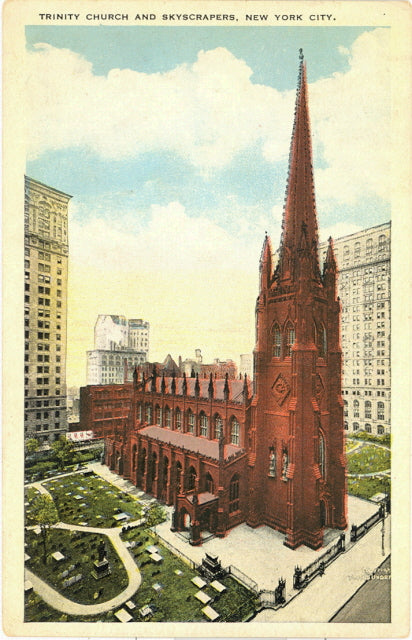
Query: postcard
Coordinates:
[206,304]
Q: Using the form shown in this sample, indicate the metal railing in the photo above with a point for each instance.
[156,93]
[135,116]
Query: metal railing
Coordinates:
[302,577]
[357,531]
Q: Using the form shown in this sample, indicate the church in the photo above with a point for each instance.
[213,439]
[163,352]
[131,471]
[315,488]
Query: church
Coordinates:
[225,451]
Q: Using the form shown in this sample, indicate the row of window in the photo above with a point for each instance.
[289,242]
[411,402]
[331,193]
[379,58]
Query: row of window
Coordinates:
[380,409]
[368,428]
[283,340]
[167,419]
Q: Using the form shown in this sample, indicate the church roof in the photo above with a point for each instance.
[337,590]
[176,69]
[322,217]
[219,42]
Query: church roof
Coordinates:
[203,446]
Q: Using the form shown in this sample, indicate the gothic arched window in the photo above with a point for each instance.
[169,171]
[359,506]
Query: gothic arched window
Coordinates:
[191,479]
[190,421]
[276,341]
[290,339]
[149,414]
[234,431]
[209,484]
[218,426]
[204,424]
[158,415]
[168,418]
[322,455]
[321,341]
[178,419]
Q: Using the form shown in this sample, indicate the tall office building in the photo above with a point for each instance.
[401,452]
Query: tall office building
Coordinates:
[119,346]
[364,287]
[46,253]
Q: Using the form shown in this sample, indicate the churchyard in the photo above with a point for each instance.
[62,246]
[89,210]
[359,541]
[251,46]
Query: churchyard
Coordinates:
[170,589]
[369,465]
[90,500]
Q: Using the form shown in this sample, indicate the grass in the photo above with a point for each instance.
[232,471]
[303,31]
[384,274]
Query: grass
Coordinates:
[80,551]
[36,610]
[98,504]
[369,459]
[175,601]
[367,487]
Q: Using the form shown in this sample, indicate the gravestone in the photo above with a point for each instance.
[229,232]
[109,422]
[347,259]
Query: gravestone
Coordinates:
[211,567]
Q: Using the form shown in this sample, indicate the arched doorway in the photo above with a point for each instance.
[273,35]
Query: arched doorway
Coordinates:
[184,520]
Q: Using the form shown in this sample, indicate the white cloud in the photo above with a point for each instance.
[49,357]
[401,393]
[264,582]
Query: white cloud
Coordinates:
[207,112]
[351,122]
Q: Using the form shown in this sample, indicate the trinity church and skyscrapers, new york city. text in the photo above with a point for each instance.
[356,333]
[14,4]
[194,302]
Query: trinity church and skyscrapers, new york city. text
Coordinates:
[262,447]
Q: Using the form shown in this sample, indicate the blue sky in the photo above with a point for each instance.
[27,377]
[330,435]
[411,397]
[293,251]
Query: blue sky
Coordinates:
[151,129]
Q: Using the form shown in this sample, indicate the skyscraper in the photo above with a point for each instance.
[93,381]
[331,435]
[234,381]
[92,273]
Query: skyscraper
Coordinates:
[46,253]
[364,287]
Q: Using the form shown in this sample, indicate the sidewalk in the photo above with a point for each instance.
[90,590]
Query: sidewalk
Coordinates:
[326,594]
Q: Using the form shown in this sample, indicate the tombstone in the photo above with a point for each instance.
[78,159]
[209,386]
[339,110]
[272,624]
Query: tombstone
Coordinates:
[101,565]
[211,567]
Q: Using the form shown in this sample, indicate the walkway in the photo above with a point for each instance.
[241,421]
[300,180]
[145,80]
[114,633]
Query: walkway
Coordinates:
[55,599]
[59,602]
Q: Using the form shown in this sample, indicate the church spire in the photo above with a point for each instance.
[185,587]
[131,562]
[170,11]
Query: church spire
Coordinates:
[300,231]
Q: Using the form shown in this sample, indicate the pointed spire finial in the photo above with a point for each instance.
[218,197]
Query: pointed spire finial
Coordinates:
[300,54]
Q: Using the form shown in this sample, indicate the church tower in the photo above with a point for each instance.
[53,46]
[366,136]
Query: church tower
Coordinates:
[296,445]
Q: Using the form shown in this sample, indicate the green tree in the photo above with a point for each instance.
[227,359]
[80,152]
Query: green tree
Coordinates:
[44,514]
[155,515]
[64,451]
[32,445]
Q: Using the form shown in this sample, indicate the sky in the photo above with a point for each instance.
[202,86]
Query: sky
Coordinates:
[174,149]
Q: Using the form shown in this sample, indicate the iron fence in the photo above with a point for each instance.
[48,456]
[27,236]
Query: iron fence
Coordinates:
[179,553]
[302,577]
[243,578]
[357,531]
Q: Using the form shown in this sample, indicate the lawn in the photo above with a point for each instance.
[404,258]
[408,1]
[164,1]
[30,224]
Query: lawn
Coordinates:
[369,459]
[367,487]
[90,500]
[174,601]
[79,550]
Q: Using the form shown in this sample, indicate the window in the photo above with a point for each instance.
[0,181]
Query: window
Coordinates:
[204,425]
[234,431]
[140,412]
[321,340]
[209,484]
[218,427]
[276,341]
[234,494]
[368,428]
[381,411]
[178,419]
[190,421]
[356,408]
[290,339]
[322,456]
[191,479]
[168,418]
[355,426]
[158,416]
[381,430]
[368,410]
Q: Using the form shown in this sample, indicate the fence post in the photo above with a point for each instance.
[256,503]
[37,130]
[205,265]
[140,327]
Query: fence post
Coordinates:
[353,533]
[297,578]
[280,592]
[341,542]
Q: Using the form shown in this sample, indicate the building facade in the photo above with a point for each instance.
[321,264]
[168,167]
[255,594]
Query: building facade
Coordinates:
[119,344]
[364,287]
[218,368]
[223,453]
[46,253]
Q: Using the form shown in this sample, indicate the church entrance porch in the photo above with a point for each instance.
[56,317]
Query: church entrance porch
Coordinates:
[195,516]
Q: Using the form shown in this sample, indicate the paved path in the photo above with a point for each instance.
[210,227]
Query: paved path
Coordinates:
[341,579]
[59,602]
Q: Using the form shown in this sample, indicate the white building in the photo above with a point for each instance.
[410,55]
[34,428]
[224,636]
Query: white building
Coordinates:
[364,288]
[246,365]
[119,346]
